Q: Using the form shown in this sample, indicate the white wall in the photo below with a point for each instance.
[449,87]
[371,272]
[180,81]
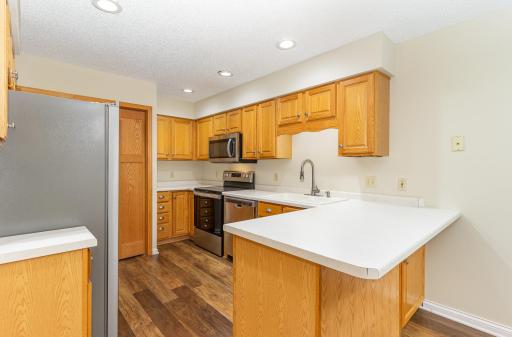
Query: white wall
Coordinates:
[173,106]
[372,52]
[455,81]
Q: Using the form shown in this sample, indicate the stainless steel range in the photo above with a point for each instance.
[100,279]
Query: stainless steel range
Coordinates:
[209,209]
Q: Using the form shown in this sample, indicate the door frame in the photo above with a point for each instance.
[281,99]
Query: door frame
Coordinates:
[148,110]
[149,148]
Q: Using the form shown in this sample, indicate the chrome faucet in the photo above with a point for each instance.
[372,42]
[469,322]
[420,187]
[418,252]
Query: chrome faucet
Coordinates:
[314,189]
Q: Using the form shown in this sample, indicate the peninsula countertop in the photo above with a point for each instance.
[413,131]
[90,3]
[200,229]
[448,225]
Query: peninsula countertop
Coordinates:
[27,246]
[360,238]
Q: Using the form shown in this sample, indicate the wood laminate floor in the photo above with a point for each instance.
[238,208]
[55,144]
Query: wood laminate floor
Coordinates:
[186,291]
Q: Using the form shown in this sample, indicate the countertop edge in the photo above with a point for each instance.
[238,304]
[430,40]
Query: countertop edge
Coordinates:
[74,238]
[271,200]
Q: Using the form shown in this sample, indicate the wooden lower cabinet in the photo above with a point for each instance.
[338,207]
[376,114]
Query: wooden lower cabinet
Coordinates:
[269,209]
[175,214]
[412,285]
[47,296]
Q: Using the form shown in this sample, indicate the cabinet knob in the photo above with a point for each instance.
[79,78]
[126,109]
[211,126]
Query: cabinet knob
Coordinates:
[160,218]
[306,114]
[340,146]
[160,228]
[298,115]
[160,197]
[161,207]
[269,210]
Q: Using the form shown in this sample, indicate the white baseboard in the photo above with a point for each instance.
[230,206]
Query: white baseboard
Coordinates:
[468,319]
[155,251]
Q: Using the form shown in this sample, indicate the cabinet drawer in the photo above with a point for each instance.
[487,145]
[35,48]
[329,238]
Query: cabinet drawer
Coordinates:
[163,207]
[206,222]
[288,209]
[267,209]
[163,231]
[163,196]
[163,218]
[205,202]
[205,211]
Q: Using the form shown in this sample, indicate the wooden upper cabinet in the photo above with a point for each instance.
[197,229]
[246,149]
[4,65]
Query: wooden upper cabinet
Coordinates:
[180,213]
[219,124]
[204,132]
[163,137]
[182,135]
[266,130]
[249,131]
[412,285]
[234,121]
[320,103]
[363,108]
[290,109]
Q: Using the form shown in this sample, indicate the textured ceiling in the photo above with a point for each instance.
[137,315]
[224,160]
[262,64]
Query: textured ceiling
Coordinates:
[182,43]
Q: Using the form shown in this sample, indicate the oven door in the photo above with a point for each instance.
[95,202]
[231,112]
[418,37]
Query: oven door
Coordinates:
[225,149]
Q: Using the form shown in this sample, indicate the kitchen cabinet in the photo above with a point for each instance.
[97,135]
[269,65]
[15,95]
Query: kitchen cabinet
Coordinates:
[309,110]
[204,129]
[174,215]
[175,138]
[234,121]
[219,124]
[163,137]
[363,109]
[260,140]
[288,209]
[268,209]
[7,81]
[47,296]
[412,285]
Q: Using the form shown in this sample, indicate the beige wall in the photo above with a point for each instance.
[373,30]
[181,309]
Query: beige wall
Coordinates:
[173,106]
[373,52]
[455,81]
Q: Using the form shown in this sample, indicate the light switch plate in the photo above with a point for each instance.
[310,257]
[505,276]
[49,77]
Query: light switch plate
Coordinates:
[402,184]
[371,181]
[458,143]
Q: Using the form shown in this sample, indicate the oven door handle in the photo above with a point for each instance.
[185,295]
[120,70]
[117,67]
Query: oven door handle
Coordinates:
[208,195]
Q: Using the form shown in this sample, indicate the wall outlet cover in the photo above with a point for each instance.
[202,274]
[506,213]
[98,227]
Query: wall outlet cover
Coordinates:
[371,181]
[458,143]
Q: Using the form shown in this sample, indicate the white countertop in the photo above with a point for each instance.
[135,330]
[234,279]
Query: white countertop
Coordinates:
[363,239]
[28,246]
[179,186]
[279,198]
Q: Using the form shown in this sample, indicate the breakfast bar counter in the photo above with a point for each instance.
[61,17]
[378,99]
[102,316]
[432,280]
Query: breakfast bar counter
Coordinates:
[351,268]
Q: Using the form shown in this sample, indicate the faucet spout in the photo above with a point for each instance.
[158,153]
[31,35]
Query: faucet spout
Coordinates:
[314,189]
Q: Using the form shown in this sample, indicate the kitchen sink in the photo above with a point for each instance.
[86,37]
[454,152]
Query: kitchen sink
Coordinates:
[304,199]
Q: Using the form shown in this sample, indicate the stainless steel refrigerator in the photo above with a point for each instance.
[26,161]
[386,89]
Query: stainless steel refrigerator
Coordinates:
[55,173]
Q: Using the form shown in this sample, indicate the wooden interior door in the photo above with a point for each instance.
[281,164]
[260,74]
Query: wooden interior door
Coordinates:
[267,129]
[249,132]
[132,182]
[356,130]
[180,213]
[289,109]
[320,102]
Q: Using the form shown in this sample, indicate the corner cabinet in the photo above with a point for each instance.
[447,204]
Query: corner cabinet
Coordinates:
[47,296]
[175,138]
[260,139]
[363,109]
[204,129]
[7,72]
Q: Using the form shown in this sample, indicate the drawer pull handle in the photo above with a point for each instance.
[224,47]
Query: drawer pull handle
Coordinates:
[160,218]
[161,207]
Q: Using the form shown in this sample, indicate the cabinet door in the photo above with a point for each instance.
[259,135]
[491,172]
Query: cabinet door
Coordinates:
[249,131]
[234,121]
[267,129]
[182,132]
[268,209]
[3,70]
[181,214]
[204,132]
[163,127]
[288,209]
[320,103]
[356,131]
[412,285]
[289,109]
[219,124]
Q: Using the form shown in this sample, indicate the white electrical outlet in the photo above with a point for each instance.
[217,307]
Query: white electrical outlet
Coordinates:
[458,143]
[402,184]
[276,177]
[371,181]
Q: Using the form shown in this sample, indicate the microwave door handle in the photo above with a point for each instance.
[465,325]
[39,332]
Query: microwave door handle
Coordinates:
[230,153]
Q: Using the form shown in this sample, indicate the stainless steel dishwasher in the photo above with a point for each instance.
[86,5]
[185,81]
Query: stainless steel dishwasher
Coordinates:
[236,209]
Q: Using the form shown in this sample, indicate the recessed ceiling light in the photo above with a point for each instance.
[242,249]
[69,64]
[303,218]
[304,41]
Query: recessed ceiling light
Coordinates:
[108,6]
[286,44]
[188,91]
[225,73]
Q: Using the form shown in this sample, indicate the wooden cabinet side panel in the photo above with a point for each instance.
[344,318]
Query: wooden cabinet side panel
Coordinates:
[352,306]
[412,285]
[382,92]
[275,294]
[44,297]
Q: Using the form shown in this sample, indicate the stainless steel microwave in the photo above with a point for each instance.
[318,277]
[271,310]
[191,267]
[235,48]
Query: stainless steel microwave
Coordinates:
[226,149]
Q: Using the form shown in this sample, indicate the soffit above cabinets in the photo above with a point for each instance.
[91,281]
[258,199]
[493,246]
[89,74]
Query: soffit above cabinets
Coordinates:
[182,44]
